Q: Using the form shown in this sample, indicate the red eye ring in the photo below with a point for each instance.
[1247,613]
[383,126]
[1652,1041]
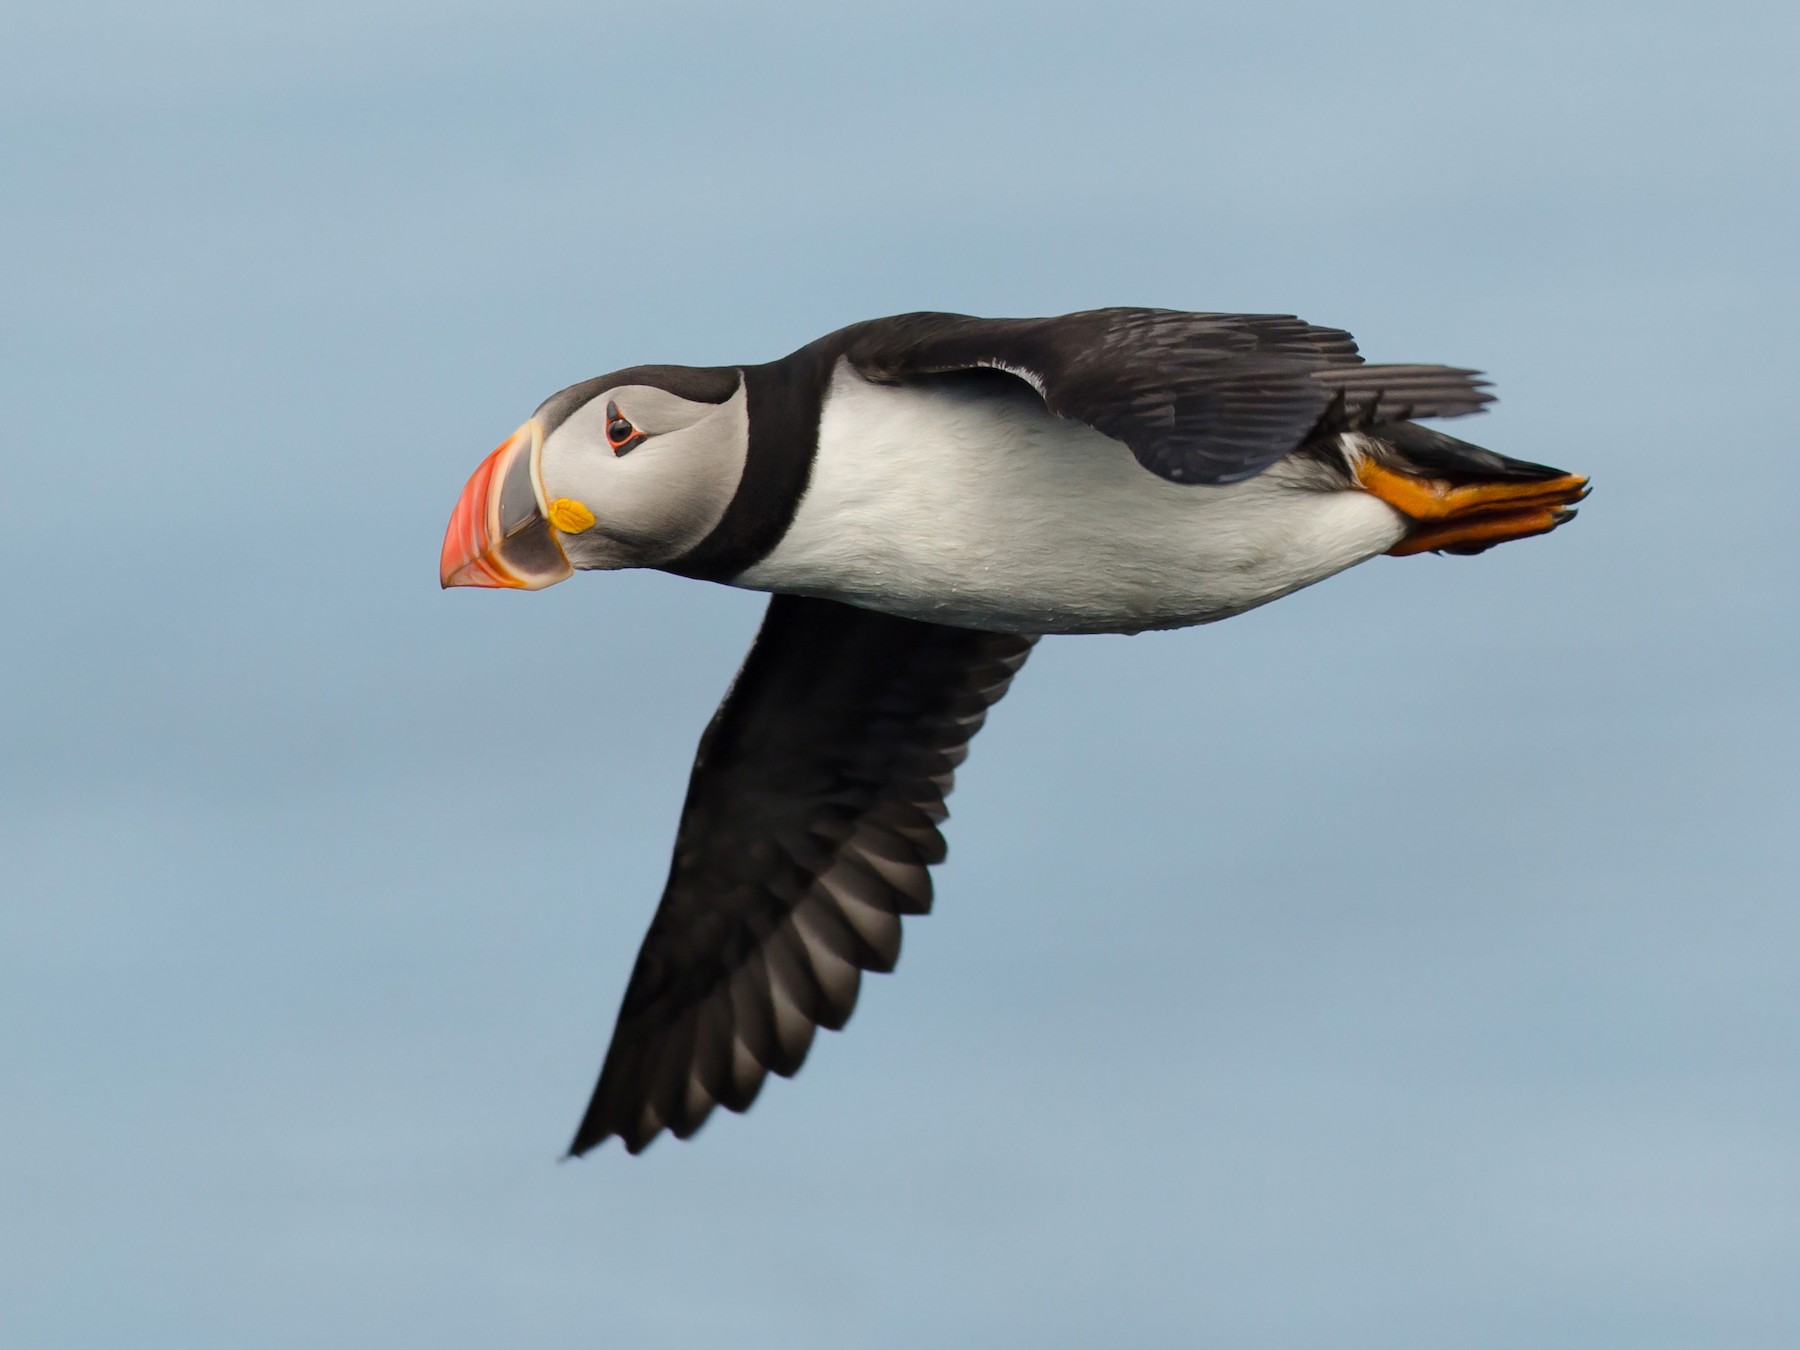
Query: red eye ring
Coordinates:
[620,434]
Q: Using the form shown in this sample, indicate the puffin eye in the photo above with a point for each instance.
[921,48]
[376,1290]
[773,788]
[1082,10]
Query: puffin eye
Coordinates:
[620,434]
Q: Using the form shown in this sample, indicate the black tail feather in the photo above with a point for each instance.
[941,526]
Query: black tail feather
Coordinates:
[1441,456]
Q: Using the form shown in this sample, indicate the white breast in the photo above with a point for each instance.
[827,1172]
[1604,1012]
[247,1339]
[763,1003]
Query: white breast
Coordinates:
[973,505]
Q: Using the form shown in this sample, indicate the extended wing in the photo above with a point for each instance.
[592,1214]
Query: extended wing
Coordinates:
[810,821]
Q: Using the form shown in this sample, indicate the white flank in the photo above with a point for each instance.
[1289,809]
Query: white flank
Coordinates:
[965,506]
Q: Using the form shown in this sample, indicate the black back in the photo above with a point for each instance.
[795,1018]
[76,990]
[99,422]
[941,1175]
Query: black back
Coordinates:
[1198,398]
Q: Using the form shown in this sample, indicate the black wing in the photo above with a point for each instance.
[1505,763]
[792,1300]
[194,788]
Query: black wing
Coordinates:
[811,818]
[1199,398]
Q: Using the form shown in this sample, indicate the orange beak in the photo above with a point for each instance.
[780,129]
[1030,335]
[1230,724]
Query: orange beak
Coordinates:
[499,535]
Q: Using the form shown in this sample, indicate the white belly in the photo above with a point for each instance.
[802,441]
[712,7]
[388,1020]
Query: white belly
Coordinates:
[975,506]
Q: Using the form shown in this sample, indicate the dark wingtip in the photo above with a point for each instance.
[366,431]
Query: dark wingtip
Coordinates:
[585,1144]
[586,1140]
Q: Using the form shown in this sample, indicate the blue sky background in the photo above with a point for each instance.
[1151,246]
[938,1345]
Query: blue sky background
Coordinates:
[1408,964]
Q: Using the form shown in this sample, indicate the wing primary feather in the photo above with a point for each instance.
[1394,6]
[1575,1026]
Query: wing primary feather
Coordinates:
[810,824]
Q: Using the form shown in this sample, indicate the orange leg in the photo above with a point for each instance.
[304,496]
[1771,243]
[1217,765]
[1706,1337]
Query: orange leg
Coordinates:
[1472,517]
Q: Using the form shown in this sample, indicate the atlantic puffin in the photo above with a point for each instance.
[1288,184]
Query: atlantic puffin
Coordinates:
[923,497]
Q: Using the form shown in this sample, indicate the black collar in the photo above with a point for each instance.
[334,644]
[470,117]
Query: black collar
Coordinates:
[783,403]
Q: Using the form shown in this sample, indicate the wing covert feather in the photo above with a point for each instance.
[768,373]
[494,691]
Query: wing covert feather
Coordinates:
[1198,398]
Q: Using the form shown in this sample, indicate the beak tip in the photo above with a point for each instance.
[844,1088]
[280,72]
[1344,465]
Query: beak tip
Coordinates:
[453,569]
[481,572]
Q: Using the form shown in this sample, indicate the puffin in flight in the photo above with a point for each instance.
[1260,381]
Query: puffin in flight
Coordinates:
[924,496]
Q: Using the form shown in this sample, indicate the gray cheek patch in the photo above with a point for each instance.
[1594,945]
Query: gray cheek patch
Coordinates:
[656,411]
[696,384]
[660,500]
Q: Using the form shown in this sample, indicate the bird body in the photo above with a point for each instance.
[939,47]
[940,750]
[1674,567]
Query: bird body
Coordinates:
[924,496]
[965,501]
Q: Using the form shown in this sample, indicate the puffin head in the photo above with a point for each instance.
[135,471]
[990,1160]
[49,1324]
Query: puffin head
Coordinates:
[628,470]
